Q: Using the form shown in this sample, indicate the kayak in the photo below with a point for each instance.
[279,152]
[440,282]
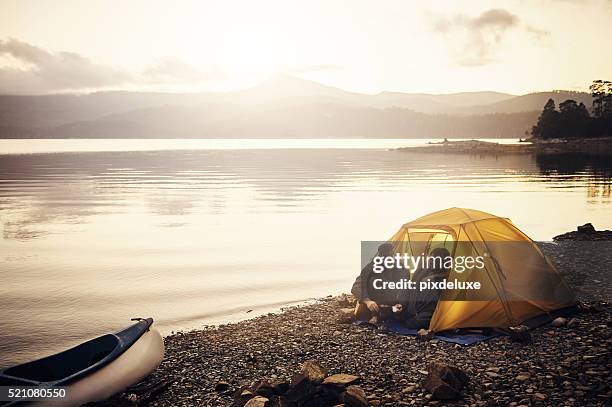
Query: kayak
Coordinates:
[94,370]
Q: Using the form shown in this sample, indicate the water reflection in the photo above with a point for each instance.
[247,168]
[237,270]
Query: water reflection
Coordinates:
[594,171]
[39,189]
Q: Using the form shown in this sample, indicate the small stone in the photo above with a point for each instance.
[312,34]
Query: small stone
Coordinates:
[522,378]
[520,333]
[573,323]
[409,389]
[445,382]
[221,386]
[540,396]
[424,335]
[492,375]
[559,322]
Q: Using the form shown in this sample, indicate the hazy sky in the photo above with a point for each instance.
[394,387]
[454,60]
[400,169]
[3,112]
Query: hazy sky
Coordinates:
[513,46]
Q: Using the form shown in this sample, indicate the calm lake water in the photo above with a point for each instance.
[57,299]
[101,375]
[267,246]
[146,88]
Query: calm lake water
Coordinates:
[200,232]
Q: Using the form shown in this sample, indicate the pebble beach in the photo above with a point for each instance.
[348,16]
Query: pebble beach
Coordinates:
[566,365]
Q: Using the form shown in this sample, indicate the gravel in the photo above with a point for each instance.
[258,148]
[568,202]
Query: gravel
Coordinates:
[560,366]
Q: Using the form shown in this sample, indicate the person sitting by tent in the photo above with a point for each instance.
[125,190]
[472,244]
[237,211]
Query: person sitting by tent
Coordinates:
[375,305]
[421,304]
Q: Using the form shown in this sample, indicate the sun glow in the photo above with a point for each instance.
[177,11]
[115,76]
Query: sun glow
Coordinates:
[251,55]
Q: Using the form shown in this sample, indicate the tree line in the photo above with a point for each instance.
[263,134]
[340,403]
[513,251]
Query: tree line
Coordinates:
[573,120]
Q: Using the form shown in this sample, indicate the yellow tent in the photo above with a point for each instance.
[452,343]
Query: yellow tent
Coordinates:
[517,283]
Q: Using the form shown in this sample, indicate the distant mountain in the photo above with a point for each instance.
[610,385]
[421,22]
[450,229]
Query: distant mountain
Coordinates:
[326,120]
[282,106]
[53,110]
[446,104]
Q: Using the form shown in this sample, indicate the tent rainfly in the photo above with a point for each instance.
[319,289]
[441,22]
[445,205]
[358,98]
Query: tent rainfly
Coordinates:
[518,282]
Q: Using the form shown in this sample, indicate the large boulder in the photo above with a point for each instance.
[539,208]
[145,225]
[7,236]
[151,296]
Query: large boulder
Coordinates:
[445,382]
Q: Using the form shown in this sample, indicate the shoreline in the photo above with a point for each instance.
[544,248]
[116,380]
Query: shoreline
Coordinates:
[591,146]
[562,366]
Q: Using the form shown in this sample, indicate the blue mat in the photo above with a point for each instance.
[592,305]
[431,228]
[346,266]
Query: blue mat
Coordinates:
[461,337]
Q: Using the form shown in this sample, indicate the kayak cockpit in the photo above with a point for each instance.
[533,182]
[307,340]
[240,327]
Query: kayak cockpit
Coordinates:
[68,363]
[72,364]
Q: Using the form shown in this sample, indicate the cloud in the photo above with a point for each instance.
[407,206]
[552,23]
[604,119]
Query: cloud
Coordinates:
[29,69]
[476,40]
[40,71]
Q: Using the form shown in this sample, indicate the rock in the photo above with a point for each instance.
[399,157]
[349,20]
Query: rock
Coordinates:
[243,395]
[409,389]
[520,333]
[301,389]
[264,388]
[591,308]
[329,395]
[586,228]
[354,396]
[258,401]
[445,382]
[573,323]
[424,335]
[279,387]
[492,375]
[585,232]
[540,396]
[559,322]
[346,315]
[313,371]
[568,366]
[282,402]
[221,386]
[340,380]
